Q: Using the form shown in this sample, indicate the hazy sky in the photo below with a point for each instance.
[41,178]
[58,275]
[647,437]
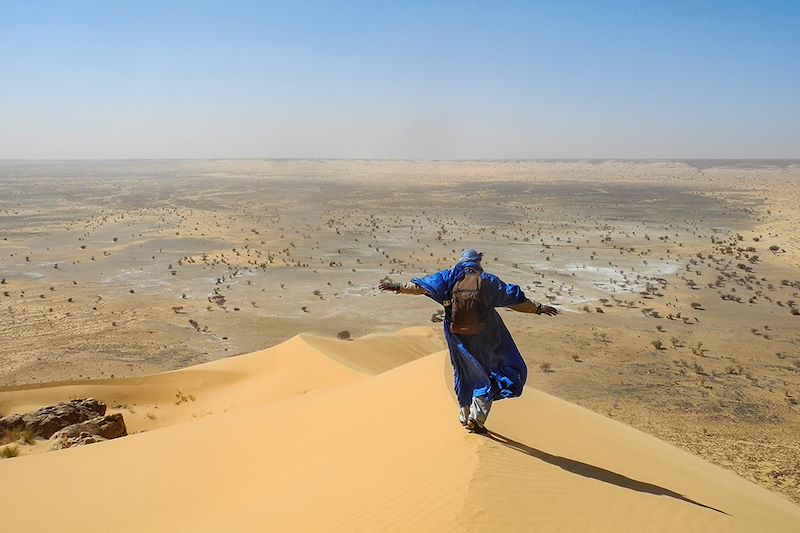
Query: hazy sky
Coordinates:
[399,79]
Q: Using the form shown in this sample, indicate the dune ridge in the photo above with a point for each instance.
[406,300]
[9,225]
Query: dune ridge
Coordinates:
[314,435]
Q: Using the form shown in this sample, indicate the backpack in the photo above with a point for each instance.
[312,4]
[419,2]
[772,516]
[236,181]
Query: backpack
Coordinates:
[468,305]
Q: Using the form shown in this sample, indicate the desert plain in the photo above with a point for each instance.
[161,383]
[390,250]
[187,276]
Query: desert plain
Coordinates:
[157,287]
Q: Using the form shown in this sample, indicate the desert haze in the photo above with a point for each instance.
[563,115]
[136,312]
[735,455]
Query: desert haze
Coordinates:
[228,311]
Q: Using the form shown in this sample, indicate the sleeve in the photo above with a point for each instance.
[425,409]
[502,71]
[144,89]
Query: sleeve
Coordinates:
[436,286]
[410,288]
[503,294]
[528,306]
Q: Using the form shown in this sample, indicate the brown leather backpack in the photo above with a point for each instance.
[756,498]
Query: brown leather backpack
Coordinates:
[468,305]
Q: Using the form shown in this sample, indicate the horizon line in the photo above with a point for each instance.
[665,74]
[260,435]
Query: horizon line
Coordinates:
[405,159]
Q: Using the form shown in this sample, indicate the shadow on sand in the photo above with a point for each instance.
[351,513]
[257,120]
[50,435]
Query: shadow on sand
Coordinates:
[594,472]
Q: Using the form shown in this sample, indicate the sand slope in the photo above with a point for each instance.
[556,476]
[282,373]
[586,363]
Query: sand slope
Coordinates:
[311,436]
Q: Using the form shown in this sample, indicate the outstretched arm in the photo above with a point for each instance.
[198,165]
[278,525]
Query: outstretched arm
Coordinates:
[401,288]
[511,296]
[529,306]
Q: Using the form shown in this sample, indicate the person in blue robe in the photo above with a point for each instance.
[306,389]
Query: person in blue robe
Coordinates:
[486,366]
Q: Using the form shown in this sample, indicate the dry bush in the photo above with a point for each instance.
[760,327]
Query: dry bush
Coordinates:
[8,451]
[21,435]
[657,344]
[601,336]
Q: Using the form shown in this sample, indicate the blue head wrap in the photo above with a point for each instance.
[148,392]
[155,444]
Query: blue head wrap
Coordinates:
[471,256]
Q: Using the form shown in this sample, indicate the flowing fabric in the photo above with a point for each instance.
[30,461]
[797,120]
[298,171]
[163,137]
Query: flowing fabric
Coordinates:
[489,364]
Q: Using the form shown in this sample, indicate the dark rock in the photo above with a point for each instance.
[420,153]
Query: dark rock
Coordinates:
[108,427]
[47,420]
[90,431]
[78,440]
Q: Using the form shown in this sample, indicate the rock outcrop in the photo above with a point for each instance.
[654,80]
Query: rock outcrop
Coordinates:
[91,431]
[48,420]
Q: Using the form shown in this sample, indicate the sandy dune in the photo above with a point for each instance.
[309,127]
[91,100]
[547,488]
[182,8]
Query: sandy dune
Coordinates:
[678,281]
[316,435]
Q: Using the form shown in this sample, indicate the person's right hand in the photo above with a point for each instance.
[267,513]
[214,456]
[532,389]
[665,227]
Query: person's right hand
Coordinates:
[548,310]
[388,286]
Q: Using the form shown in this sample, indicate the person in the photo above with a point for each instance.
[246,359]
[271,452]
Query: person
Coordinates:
[487,366]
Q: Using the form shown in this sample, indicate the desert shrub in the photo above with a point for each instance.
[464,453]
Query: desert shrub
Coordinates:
[546,367]
[8,451]
[23,435]
[657,344]
[344,335]
[601,336]
[183,398]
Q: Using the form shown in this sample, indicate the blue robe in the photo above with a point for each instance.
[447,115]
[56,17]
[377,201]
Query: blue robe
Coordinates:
[488,364]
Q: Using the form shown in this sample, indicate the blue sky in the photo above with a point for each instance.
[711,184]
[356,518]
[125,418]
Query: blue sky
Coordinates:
[427,80]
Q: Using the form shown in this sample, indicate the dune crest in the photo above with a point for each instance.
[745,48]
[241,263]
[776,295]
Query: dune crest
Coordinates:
[324,435]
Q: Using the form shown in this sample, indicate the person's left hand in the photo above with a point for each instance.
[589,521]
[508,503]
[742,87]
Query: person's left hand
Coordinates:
[388,286]
[548,310]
